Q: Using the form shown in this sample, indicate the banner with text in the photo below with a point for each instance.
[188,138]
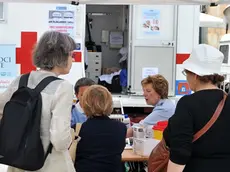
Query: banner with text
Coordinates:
[8,67]
[63,20]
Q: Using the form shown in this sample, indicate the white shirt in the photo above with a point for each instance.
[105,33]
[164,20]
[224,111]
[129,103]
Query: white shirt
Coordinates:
[57,100]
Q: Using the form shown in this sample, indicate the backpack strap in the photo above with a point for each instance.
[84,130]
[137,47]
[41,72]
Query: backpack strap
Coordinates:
[45,82]
[24,80]
[49,151]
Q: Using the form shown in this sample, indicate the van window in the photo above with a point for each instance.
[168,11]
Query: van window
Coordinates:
[225,50]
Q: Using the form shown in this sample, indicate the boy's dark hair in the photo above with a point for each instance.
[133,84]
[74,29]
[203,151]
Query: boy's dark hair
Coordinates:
[83,82]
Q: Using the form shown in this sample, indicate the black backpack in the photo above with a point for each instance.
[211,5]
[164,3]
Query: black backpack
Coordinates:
[20,142]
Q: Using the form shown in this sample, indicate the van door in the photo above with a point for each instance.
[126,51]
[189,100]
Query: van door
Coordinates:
[152,44]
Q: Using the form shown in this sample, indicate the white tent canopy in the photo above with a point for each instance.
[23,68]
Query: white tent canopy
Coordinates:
[199,2]
[211,21]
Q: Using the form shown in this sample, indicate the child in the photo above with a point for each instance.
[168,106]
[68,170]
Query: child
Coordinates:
[78,115]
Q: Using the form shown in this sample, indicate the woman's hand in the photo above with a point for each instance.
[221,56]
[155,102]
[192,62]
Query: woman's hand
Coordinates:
[129,132]
[172,167]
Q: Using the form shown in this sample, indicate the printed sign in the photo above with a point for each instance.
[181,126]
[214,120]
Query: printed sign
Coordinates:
[149,71]
[116,39]
[78,46]
[62,20]
[151,21]
[4,83]
[8,66]
[182,87]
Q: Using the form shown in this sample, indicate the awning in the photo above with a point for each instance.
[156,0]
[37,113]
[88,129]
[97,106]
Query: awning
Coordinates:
[198,2]
[211,21]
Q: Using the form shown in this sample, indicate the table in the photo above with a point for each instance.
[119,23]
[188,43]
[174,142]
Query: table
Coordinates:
[129,156]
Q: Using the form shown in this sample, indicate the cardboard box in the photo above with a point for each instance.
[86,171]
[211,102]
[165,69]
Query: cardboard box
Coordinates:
[144,147]
[110,70]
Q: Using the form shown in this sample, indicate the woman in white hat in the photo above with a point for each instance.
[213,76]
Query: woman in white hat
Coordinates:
[211,152]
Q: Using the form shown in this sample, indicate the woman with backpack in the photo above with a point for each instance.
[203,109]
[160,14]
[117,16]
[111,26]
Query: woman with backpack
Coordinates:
[53,56]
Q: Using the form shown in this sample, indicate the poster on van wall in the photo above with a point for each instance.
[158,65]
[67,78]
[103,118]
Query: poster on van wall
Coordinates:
[149,71]
[150,21]
[62,20]
[182,88]
[8,67]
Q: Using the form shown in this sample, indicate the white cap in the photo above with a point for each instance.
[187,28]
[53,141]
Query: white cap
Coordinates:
[123,51]
[204,60]
[123,58]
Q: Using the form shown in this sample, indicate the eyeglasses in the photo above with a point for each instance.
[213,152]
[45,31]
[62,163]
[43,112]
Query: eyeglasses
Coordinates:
[184,73]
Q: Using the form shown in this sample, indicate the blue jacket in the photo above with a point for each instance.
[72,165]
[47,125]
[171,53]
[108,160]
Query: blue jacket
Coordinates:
[123,78]
[77,116]
[162,111]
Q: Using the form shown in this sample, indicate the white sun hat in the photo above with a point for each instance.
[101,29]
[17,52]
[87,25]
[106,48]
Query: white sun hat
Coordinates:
[204,60]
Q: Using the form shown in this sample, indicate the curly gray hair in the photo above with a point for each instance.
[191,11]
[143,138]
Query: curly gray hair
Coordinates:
[53,50]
